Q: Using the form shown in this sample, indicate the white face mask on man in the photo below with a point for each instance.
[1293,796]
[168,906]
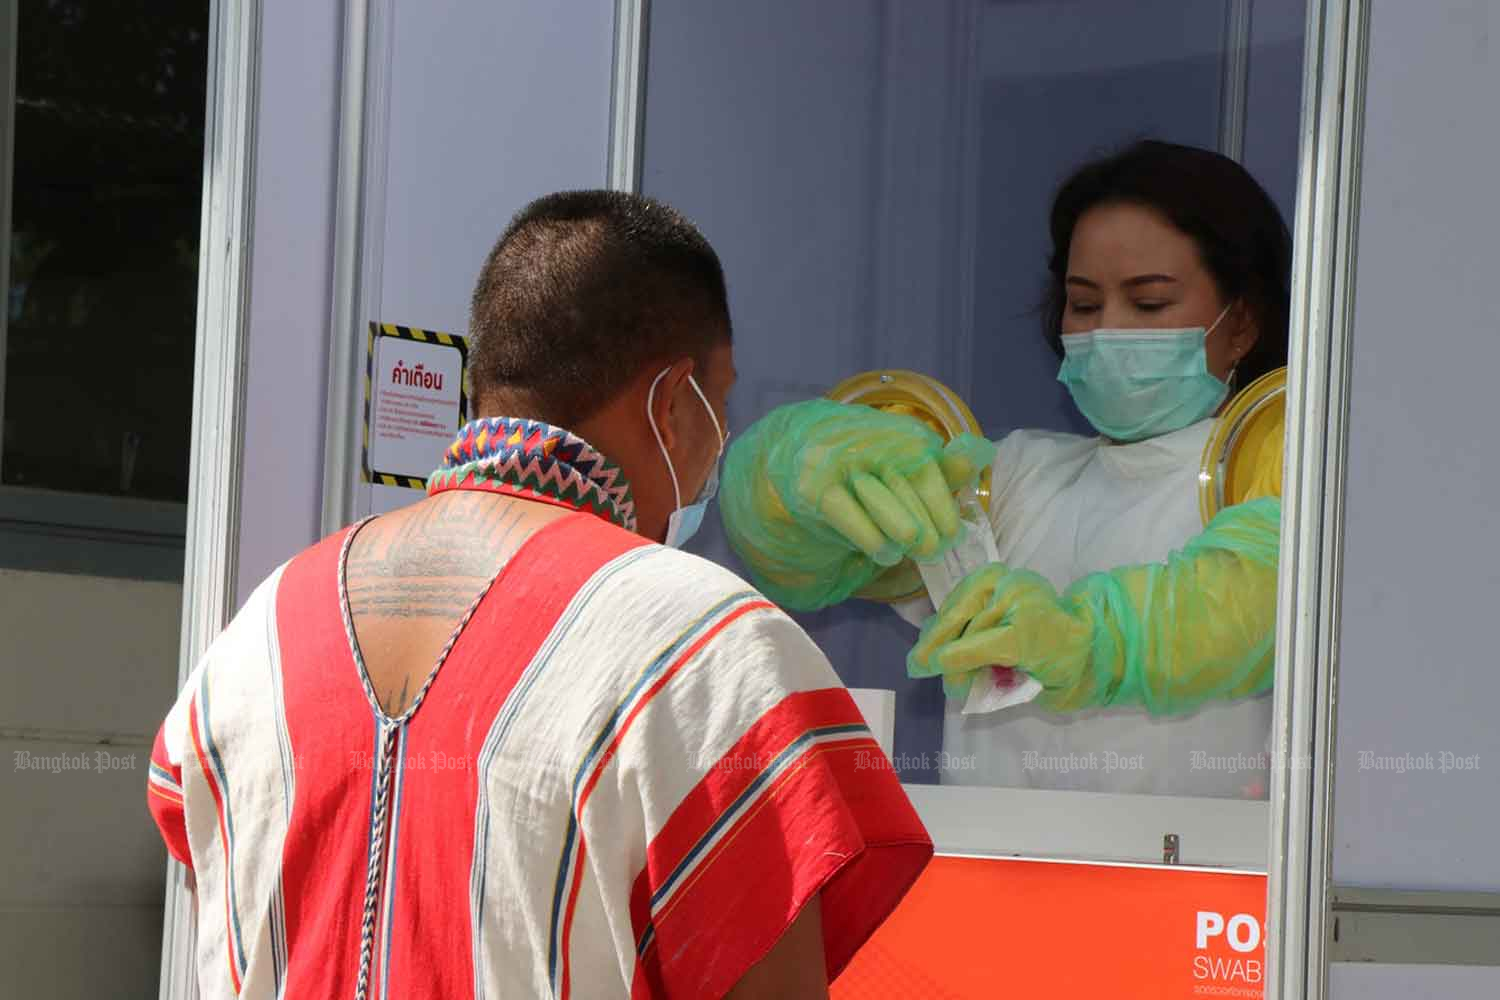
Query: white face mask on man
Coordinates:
[683,523]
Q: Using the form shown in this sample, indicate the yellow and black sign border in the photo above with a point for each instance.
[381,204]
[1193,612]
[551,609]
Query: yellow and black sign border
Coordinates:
[420,336]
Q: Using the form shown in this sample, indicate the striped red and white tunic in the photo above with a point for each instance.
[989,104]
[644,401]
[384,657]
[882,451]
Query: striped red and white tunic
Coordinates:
[627,778]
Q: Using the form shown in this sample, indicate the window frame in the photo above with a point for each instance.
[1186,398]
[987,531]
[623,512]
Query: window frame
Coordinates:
[9,20]
[220,382]
[51,531]
[1287,837]
[1299,874]
[1043,824]
[60,531]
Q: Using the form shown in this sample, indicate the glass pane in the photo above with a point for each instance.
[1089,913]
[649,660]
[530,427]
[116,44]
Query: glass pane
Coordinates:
[107,174]
[878,178]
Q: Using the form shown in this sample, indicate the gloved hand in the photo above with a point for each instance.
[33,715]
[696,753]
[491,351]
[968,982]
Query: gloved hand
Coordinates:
[818,498]
[1003,617]
[1200,627]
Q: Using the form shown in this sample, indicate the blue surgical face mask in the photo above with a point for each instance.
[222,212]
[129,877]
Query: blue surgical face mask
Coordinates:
[1138,384]
[683,522]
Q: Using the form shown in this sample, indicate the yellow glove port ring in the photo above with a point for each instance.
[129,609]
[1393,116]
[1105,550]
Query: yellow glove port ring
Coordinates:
[911,394]
[1244,454]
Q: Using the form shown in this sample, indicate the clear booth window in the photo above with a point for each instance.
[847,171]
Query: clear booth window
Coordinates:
[1046,239]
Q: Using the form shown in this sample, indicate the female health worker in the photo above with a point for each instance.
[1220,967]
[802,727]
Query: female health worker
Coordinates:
[1150,634]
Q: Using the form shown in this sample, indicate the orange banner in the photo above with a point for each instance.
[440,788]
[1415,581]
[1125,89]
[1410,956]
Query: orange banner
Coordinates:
[981,928]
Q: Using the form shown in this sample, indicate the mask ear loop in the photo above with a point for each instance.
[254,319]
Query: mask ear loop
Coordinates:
[1234,369]
[1215,324]
[718,432]
[651,419]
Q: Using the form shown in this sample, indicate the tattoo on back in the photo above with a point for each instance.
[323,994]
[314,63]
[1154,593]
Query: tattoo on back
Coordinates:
[396,704]
[434,562]
[416,574]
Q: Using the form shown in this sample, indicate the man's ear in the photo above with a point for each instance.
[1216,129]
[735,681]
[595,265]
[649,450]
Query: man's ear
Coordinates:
[665,399]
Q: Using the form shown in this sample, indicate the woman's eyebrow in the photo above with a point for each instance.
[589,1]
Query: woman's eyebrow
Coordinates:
[1074,279]
[1148,279]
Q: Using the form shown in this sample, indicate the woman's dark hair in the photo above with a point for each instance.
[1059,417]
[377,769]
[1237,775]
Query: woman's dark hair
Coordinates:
[1239,232]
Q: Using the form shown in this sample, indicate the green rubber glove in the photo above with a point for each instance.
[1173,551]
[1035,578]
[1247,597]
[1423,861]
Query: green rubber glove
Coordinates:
[819,498]
[1198,628]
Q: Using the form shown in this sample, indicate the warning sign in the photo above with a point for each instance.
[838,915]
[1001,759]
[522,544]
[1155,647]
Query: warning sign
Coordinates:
[414,402]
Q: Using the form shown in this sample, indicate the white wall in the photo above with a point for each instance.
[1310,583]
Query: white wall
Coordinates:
[89,667]
[1421,579]
[1421,574]
[1368,981]
[490,106]
[290,283]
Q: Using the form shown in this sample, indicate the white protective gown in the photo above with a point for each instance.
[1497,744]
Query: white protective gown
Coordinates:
[1066,506]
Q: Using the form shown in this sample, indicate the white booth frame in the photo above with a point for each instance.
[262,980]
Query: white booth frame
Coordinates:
[1323,269]
[1287,837]
[219,388]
